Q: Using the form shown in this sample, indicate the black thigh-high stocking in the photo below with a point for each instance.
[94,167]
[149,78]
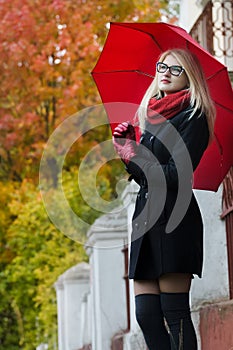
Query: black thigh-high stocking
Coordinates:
[151,321]
[176,311]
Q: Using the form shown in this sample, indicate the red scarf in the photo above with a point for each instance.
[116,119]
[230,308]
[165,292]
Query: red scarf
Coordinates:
[165,108]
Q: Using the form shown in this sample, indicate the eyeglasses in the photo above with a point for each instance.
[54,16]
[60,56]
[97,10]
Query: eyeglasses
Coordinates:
[174,70]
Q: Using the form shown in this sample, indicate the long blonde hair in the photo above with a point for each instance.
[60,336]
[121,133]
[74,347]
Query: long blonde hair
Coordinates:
[200,98]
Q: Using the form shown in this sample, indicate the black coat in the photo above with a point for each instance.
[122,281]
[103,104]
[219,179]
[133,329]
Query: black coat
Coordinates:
[167,228]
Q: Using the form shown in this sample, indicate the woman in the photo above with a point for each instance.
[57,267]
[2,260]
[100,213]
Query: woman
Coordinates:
[176,119]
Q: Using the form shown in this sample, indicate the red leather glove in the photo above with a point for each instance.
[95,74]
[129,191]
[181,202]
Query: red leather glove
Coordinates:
[125,130]
[124,141]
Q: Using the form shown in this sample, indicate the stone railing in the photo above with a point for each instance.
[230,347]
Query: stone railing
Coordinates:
[214,30]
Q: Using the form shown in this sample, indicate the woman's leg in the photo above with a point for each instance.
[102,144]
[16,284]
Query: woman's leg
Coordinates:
[174,296]
[149,315]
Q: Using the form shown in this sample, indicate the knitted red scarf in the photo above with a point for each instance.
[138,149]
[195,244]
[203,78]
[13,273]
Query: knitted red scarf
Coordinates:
[168,106]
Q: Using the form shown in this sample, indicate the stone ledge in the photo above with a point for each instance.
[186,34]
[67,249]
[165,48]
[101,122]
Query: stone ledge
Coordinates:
[216,324]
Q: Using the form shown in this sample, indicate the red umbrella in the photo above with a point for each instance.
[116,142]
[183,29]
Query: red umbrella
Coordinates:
[126,67]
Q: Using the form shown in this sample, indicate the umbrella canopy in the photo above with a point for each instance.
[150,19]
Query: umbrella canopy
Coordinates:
[126,68]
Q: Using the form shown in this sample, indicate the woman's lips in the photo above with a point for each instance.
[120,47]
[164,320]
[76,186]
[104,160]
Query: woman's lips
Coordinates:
[165,81]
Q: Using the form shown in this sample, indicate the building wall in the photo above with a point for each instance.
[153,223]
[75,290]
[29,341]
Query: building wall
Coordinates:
[106,239]
[214,283]
[213,286]
[189,12]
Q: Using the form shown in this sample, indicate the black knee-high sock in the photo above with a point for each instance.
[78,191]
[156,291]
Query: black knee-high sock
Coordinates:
[176,311]
[151,321]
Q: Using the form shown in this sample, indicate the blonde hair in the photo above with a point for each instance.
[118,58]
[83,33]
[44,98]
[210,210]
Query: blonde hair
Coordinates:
[200,98]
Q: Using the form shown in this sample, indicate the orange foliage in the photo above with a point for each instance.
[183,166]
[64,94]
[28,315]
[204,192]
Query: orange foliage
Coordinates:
[48,48]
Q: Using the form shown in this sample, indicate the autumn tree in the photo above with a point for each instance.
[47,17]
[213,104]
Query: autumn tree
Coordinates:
[39,254]
[48,48]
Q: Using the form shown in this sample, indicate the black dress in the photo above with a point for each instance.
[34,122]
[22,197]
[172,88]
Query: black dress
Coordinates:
[167,228]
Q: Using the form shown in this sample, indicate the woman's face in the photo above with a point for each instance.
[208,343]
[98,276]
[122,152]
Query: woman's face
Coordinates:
[169,83]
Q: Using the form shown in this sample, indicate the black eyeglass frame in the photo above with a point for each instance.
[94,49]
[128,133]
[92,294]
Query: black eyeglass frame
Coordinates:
[170,68]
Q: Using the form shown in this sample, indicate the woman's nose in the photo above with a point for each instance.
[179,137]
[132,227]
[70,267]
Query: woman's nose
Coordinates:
[167,72]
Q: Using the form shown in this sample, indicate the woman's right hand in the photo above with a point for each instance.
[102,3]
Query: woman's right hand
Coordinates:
[124,141]
[125,130]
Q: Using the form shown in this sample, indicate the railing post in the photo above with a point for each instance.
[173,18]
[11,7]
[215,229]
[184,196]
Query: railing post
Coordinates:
[213,30]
